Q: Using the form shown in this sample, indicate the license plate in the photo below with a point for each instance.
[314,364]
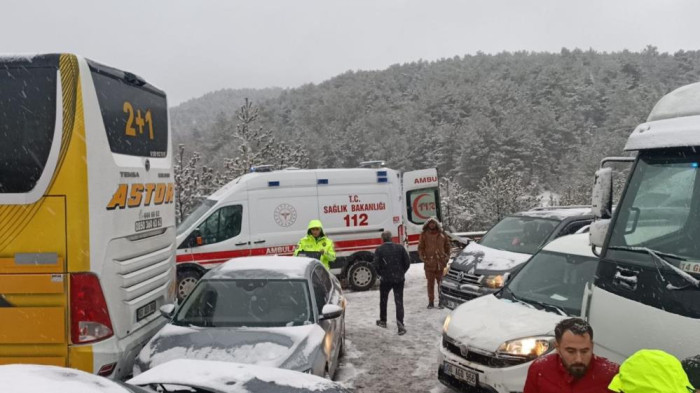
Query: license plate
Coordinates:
[470,377]
[151,223]
[144,311]
[690,267]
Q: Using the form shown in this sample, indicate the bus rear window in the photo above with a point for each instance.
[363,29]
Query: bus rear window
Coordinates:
[27,122]
[135,114]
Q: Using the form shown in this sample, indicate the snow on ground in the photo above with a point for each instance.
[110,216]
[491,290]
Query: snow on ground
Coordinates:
[379,360]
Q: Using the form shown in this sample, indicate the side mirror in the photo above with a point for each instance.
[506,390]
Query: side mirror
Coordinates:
[195,239]
[330,311]
[601,199]
[167,310]
[597,232]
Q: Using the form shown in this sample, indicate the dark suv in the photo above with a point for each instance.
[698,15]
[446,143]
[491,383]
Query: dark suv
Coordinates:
[483,267]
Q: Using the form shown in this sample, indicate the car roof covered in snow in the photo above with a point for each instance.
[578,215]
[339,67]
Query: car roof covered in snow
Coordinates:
[557,213]
[261,267]
[573,244]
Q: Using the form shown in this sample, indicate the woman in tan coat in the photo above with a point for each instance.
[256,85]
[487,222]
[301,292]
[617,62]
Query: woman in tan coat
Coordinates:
[434,251]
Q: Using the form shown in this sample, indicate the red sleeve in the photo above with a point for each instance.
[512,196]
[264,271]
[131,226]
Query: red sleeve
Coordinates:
[531,383]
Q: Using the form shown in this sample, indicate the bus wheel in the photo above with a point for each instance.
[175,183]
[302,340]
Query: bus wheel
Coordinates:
[361,276]
[186,280]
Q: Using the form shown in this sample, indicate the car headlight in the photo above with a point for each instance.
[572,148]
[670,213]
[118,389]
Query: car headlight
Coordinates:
[446,324]
[529,347]
[494,281]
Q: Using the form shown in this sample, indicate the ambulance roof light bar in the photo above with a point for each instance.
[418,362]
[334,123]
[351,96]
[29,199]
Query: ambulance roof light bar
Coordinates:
[262,168]
[373,164]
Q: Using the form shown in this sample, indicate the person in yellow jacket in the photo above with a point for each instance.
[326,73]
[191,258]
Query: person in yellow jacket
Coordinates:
[316,244]
[651,371]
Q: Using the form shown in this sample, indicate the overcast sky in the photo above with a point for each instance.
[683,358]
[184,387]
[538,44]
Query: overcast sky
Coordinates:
[189,48]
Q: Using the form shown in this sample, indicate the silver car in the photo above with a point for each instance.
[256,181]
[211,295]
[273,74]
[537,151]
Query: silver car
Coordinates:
[285,312]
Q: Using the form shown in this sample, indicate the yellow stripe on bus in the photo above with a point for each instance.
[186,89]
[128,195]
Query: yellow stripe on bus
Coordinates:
[80,357]
[31,283]
[37,325]
[50,361]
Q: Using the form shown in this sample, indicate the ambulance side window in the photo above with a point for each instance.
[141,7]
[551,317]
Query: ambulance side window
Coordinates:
[223,224]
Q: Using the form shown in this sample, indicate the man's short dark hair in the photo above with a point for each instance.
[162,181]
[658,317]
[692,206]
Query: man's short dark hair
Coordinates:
[386,236]
[576,326]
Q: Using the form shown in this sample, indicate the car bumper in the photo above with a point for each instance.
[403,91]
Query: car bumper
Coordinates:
[489,380]
[123,351]
[452,293]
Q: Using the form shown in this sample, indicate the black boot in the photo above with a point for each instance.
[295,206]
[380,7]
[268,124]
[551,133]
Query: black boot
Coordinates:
[381,323]
[402,328]
[431,305]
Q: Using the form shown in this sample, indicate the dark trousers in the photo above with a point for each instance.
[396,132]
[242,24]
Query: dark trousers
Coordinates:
[384,289]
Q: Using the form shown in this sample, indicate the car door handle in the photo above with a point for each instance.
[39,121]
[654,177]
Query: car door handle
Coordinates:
[259,241]
[242,244]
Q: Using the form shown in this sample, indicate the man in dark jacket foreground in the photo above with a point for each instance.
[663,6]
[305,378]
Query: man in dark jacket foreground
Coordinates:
[391,261]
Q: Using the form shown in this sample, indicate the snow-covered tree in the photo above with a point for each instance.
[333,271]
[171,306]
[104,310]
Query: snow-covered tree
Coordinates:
[501,192]
[254,146]
[454,201]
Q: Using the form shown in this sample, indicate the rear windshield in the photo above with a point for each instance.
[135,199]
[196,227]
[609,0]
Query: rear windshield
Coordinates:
[135,114]
[27,122]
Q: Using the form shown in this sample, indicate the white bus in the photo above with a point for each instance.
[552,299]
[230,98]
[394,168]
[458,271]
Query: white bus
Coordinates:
[87,220]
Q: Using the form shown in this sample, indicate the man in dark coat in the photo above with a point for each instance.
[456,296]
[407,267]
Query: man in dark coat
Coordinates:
[391,261]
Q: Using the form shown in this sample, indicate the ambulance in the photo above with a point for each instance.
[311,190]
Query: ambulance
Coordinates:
[266,212]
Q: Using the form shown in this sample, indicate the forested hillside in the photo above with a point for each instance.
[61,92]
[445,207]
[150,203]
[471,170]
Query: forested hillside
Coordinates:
[197,115]
[547,117]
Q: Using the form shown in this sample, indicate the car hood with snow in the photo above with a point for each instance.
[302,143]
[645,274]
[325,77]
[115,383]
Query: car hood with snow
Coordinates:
[478,259]
[294,347]
[487,322]
[34,378]
[226,377]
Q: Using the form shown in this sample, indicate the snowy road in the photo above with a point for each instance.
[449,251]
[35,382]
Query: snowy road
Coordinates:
[379,360]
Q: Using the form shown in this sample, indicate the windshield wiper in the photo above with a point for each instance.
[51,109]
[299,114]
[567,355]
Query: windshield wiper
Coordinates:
[533,303]
[656,257]
[517,299]
[549,306]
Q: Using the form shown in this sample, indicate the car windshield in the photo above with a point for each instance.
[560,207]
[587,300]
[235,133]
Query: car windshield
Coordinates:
[519,234]
[553,281]
[246,302]
[659,212]
[202,209]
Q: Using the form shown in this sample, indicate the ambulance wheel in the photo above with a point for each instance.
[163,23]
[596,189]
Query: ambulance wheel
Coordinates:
[361,276]
[186,280]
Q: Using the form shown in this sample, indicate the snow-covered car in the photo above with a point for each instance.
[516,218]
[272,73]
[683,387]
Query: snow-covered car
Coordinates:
[34,378]
[482,268]
[488,343]
[286,312]
[225,377]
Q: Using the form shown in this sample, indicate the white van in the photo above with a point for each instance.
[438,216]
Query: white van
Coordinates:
[489,342]
[647,288]
[266,213]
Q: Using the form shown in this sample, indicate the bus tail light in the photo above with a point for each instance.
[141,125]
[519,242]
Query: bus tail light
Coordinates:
[89,317]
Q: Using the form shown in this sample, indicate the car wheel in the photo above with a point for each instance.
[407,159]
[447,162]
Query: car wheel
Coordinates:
[186,280]
[361,276]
